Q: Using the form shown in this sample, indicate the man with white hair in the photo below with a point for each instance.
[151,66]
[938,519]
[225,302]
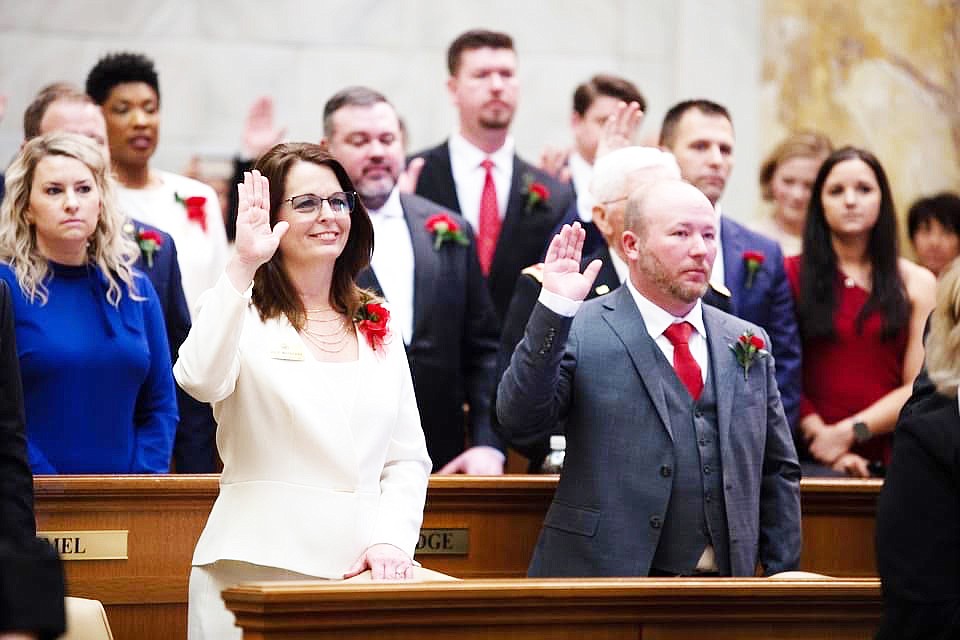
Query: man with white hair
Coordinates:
[615,176]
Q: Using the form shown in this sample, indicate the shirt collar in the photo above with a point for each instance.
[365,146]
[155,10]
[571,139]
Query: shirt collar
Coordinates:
[623,271]
[580,172]
[472,156]
[391,208]
[657,320]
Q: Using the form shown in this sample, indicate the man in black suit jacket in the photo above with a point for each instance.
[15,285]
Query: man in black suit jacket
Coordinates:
[483,85]
[426,267]
[31,580]
[63,107]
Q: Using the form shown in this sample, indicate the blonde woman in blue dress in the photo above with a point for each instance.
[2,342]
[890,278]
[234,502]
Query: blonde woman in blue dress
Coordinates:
[324,462]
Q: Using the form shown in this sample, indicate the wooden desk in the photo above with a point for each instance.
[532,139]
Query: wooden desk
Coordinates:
[654,609]
[145,595]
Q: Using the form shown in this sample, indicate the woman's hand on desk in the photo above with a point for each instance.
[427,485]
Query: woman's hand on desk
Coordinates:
[385,561]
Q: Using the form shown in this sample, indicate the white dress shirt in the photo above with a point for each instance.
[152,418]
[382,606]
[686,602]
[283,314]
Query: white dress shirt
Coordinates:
[392,262]
[581,172]
[469,176]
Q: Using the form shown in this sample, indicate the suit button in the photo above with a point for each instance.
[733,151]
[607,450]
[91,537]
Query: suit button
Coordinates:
[703,442]
[655,522]
[665,471]
[706,469]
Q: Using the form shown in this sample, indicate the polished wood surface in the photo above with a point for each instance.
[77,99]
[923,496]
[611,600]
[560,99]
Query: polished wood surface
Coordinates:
[611,609]
[145,595]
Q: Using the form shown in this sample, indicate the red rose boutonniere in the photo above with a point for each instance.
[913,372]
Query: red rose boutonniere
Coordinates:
[150,242]
[753,260]
[195,211]
[445,229]
[536,193]
[371,320]
[748,349]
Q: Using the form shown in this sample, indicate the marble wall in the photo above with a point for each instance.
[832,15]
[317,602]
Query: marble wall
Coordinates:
[214,58]
[880,74]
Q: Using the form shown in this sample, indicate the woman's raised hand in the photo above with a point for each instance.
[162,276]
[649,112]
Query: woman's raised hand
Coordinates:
[256,242]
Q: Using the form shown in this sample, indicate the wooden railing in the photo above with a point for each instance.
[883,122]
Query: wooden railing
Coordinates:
[497,518]
[611,609]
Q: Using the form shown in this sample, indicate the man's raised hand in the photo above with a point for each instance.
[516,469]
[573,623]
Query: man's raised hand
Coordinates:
[561,268]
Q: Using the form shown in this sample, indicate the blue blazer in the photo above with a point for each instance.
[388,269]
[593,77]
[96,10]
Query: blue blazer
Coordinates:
[194,449]
[594,371]
[768,302]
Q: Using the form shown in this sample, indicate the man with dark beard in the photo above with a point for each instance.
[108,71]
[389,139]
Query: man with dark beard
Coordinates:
[679,458]
[512,205]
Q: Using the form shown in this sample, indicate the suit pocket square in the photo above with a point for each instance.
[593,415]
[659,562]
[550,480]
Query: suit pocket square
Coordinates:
[572,519]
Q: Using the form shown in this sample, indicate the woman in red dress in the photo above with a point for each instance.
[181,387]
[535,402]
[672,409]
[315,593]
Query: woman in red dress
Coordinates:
[861,310]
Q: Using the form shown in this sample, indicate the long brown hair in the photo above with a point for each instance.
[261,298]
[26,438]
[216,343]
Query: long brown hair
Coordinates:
[273,291]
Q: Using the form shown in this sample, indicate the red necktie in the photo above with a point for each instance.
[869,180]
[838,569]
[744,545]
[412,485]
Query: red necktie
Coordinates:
[488,220]
[683,363]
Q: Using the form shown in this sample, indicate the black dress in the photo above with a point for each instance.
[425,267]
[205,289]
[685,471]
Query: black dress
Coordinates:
[918,524]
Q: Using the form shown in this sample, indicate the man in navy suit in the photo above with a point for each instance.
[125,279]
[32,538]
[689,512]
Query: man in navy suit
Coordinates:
[430,276]
[528,203]
[699,133]
[679,459]
[62,107]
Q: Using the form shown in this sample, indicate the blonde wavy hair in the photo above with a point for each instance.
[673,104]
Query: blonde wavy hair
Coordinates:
[108,247]
[943,343]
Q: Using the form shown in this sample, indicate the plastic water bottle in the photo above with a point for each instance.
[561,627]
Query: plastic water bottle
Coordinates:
[553,463]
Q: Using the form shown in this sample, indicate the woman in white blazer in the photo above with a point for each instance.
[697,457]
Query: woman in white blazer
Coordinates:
[324,462]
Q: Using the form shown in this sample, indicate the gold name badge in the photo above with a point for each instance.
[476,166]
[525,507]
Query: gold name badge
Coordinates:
[287,352]
[88,545]
[443,542]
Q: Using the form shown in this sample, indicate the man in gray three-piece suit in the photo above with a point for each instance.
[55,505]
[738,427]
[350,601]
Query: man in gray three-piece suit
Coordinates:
[679,460]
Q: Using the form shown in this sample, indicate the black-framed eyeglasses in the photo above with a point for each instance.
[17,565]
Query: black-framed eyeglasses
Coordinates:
[340,202]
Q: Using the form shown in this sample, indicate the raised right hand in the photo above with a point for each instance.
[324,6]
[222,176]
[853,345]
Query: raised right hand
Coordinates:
[553,161]
[561,268]
[256,241]
[620,129]
[259,131]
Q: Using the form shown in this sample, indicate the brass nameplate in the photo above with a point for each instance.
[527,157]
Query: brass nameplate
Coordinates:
[443,542]
[88,545]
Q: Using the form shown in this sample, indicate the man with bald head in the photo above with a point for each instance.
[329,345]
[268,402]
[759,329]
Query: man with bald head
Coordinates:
[663,475]
[63,107]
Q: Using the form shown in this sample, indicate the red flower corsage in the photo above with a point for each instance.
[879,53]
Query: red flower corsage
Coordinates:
[753,260]
[371,320]
[150,242]
[445,229]
[748,348]
[195,209]
[536,193]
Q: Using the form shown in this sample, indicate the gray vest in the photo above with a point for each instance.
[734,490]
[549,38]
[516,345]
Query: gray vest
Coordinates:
[696,515]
